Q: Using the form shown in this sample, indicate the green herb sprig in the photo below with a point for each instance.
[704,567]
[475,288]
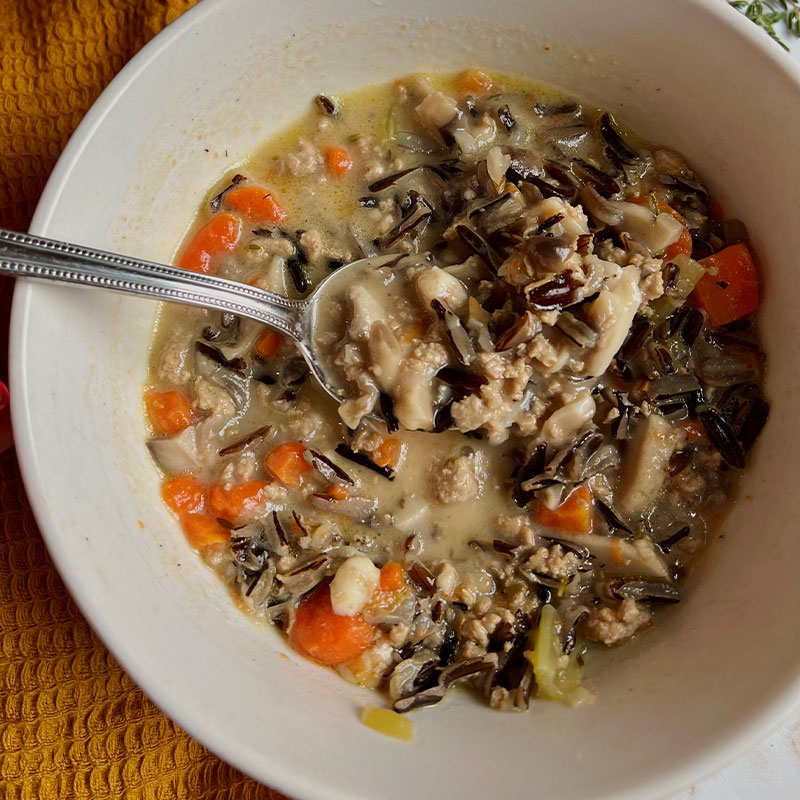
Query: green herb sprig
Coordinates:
[769,13]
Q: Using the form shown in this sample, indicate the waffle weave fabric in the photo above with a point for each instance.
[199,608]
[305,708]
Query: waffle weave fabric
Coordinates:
[72,724]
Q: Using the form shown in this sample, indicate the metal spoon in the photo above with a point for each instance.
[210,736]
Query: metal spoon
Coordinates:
[26,256]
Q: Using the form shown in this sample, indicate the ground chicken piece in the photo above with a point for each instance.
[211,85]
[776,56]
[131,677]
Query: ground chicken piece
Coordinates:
[612,625]
[474,631]
[242,469]
[213,398]
[311,242]
[456,480]
[491,409]
[553,561]
[305,423]
[306,160]
[426,355]
[172,366]
[515,527]
[516,373]
[372,157]
[544,352]
[651,287]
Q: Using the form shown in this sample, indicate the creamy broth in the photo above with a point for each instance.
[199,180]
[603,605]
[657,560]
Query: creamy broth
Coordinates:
[550,389]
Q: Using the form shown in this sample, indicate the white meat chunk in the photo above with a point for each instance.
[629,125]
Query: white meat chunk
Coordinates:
[564,423]
[654,232]
[354,409]
[413,398]
[437,109]
[305,160]
[366,311]
[433,283]
[173,363]
[611,316]
[456,479]
[213,398]
[654,442]
[612,625]
[353,585]
[385,354]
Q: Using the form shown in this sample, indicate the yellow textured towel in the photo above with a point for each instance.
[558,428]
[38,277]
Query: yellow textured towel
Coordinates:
[72,724]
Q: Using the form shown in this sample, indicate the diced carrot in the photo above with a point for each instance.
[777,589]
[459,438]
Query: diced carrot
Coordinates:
[388,452]
[255,202]
[393,577]
[234,503]
[287,464]
[269,344]
[392,588]
[338,492]
[574,514]
[323,635]
[184,494]
[693,429]
[169,412]
[219,235]
[338,161]
[474,81]
[413,332]
[729,288]
[684,241]
[203,530]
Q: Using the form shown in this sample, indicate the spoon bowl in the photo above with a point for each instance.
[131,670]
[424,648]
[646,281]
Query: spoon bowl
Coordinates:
[23,255]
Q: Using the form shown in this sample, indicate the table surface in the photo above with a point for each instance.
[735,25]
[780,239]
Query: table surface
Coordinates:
[769,770]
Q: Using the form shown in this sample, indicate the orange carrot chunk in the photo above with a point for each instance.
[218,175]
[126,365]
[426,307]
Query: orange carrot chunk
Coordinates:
[338,161]
[219,235]
[729,288]
[393,577]
[169,412]
[338,492]
[474,81]
[234,503]
[255,202]
[574,514]
[269,344]
[184,494]
[388,452]
[326,637]
[287,464]
[203,530]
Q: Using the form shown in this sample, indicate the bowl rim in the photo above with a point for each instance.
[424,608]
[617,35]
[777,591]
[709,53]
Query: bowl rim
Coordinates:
[707,761]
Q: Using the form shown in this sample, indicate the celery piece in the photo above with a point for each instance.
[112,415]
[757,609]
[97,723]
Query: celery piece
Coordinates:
[388,722]
[390,126]
[553,682]
[689,273]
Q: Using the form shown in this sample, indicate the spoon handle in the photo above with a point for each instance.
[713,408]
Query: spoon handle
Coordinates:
[26,256]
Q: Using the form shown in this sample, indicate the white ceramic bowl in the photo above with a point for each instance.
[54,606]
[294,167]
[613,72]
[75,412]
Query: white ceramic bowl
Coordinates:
[719,670]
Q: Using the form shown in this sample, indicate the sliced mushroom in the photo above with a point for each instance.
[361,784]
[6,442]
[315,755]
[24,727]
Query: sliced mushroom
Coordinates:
[646,465]
[178,453]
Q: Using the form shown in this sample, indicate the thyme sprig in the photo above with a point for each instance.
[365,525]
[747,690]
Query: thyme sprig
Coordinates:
[769,13]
